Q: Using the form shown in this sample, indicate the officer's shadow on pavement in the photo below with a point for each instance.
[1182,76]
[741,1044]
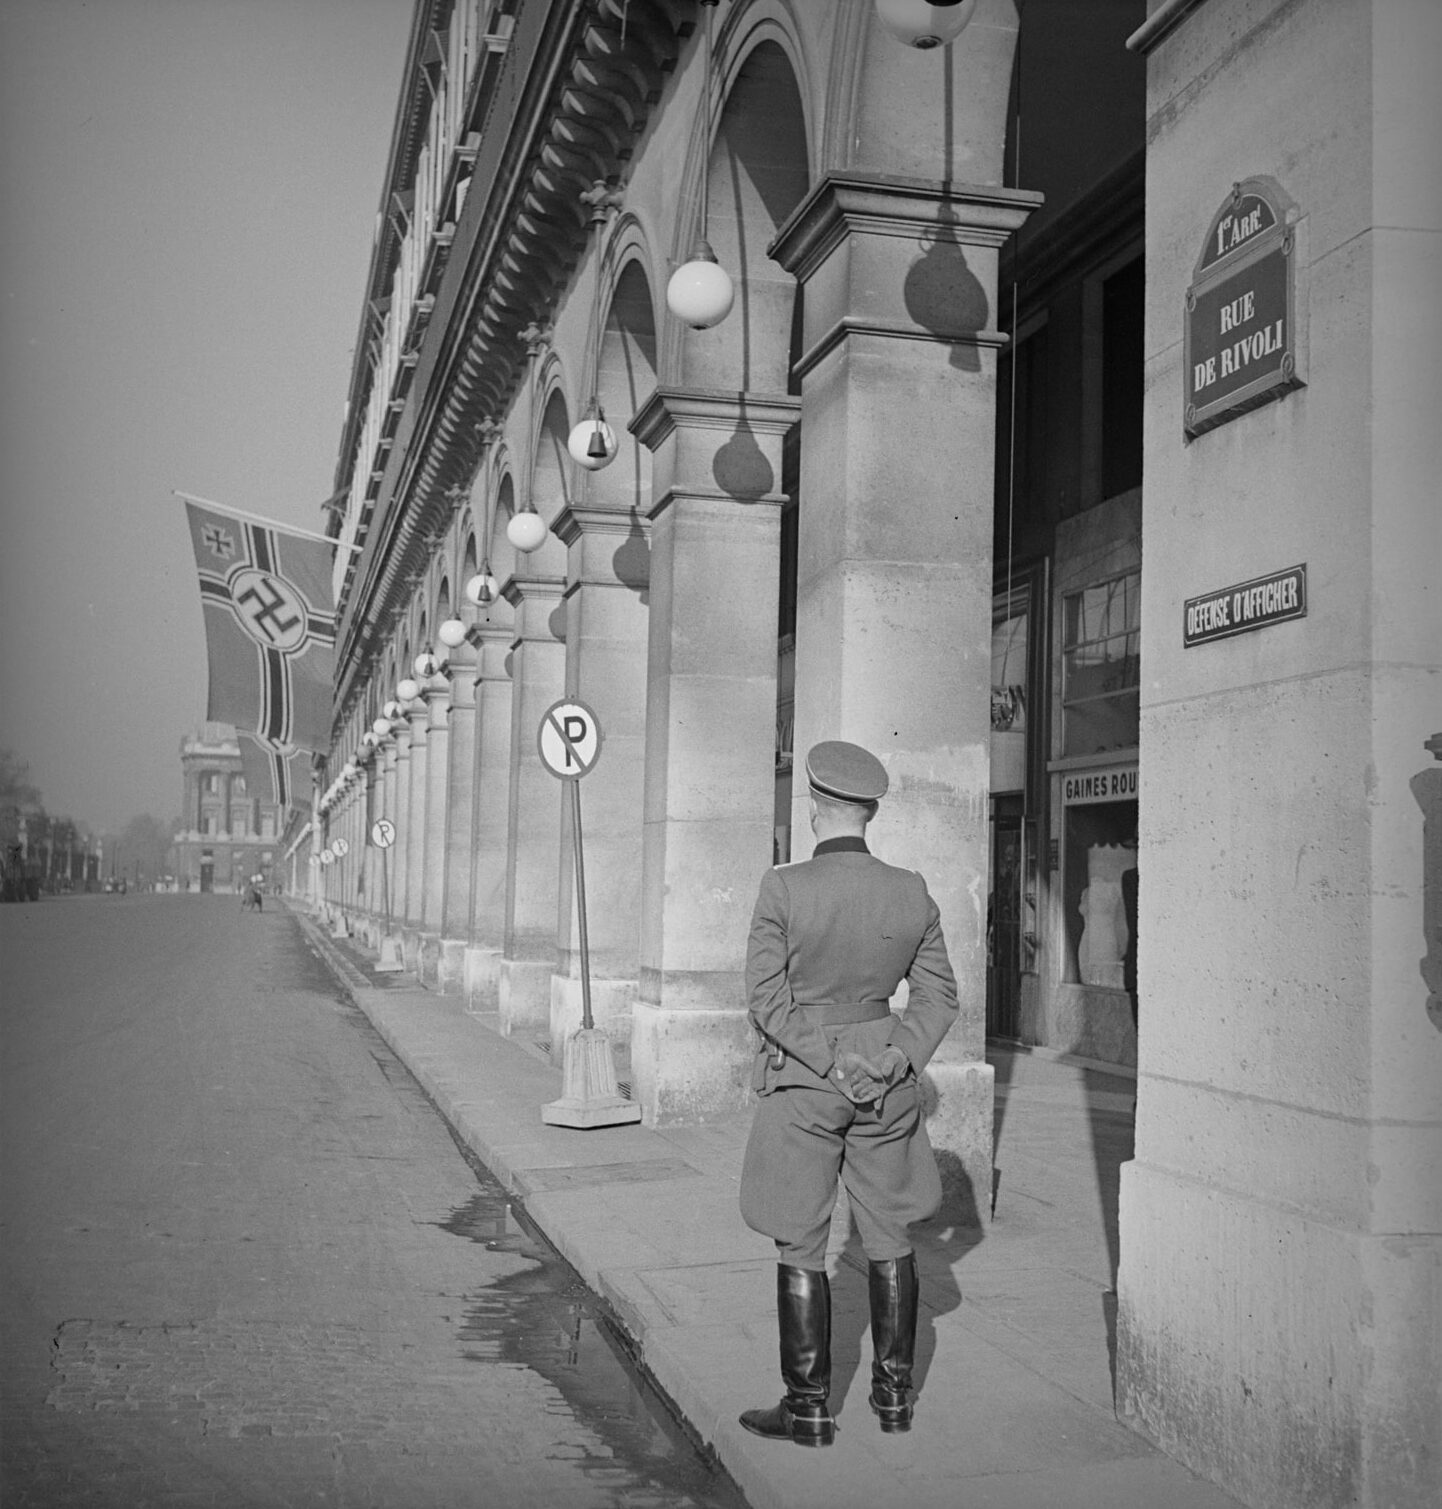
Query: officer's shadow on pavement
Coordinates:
[940,1243]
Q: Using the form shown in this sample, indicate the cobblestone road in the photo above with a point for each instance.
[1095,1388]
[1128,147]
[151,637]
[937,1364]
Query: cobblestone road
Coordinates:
[245,1264]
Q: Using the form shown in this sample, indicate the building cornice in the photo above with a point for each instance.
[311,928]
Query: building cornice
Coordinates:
[844,203]
[578,87]
[669,409]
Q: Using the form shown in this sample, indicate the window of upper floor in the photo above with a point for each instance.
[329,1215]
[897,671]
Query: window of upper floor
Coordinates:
[1101,666]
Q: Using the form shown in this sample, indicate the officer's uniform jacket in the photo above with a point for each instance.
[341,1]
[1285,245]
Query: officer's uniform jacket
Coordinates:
[839,932]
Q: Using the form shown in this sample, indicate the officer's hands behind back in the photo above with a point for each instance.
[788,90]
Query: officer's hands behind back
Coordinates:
[864,1082]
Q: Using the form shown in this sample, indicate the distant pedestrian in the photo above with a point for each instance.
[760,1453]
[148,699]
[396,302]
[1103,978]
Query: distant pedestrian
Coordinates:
[831,939]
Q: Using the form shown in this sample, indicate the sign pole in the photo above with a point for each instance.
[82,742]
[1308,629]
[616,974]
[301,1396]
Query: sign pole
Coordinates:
[383,835]
[587,1021]
[386,885]
[569,743]
[340,926]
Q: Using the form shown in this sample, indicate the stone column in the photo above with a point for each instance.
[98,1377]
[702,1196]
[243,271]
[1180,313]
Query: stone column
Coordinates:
[608,575]
[711,739]
[389,807]
[346,866]
[459,817]
[370,855]
[418,717]
[490,815]
[313,887]
[225,781]
[401,816]
[437,698]
[356,859]
[533,835]
[898,378]
[1280,1283]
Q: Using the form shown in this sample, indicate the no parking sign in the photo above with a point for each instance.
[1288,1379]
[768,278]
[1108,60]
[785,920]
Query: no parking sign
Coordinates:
[569,739]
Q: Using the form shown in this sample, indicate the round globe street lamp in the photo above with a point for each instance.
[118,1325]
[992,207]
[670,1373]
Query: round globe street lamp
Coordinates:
[925,24]
[592,443]
[452,633]
[527,530]
[701,292]
[483,588]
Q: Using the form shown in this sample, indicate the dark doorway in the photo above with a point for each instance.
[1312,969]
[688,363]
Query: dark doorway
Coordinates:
[1004,919]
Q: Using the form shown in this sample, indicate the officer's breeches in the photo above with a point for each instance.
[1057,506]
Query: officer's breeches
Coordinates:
[803,1140]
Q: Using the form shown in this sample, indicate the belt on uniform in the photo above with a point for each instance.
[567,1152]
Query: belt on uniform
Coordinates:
[843,1014]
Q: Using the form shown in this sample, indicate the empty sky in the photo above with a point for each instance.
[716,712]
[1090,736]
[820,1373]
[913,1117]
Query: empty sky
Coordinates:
[190,190]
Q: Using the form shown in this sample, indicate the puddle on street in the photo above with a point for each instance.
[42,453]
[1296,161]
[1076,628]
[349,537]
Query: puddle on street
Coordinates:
[544,1318]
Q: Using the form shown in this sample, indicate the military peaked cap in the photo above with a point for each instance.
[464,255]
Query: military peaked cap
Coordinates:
[845,772]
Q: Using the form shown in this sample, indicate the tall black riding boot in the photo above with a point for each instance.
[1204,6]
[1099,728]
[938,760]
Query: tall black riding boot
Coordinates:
[803,1310]
[893,1290]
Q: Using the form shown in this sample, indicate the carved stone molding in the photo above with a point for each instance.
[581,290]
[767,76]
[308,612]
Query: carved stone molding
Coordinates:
[520,237]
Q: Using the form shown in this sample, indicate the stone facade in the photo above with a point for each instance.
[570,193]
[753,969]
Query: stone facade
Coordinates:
[931,485]
[1281,1272]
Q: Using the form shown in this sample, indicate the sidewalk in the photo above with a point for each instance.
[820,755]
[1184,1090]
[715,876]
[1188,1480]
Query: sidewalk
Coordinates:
[1013,1348]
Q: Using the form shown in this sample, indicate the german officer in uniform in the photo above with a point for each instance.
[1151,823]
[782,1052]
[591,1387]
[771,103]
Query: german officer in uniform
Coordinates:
[831,939]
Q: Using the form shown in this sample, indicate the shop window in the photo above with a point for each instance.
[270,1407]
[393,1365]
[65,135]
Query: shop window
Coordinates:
[1099,895]
[1101,667]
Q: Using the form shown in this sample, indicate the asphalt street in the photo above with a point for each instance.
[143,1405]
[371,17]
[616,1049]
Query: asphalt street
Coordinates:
[245,1263]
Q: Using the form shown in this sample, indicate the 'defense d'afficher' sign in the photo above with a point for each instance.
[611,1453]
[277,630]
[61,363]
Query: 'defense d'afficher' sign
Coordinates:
[1240,336]
[1249,605]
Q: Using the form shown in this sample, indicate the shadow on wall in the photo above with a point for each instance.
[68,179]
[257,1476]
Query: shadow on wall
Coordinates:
[632,560]
[943,295]
[741,469]
[1427,790]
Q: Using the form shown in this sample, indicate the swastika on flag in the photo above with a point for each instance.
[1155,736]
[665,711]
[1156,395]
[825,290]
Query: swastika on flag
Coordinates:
[269,609]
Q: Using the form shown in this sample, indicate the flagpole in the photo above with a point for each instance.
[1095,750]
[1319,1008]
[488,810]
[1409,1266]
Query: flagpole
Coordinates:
[255,518]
